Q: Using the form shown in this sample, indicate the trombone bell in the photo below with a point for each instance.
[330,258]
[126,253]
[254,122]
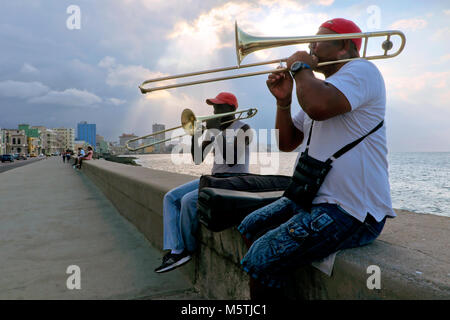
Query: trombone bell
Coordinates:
[188,120]
[247,43]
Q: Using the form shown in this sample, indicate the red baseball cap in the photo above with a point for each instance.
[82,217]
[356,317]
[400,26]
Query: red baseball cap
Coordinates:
[224,98]
[341,25]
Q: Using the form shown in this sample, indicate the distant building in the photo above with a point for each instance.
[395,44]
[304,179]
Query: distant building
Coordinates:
[52,142]
[2,142]
[42,138]
[16,141]
[161,147]
[80,144]
[87,132]
[29,131]
[103,147]
[34,146]
[67,137]
[34,143]
[125,137]
[147,141]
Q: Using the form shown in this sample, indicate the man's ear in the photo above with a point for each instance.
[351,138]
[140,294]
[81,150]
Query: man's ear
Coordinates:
[345,48]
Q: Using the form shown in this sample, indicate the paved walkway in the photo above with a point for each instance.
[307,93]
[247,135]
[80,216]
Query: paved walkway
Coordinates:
[52,217]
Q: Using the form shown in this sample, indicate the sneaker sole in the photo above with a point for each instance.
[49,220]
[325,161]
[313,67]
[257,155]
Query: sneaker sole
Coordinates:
[175,265]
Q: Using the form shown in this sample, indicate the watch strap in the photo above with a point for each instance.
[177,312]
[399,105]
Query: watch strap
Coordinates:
[302,66]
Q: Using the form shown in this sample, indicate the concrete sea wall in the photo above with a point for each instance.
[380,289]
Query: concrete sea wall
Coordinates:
[412,252]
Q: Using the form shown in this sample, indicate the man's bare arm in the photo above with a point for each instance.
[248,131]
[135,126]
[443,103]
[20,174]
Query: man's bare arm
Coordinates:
[289,137]
[319,99]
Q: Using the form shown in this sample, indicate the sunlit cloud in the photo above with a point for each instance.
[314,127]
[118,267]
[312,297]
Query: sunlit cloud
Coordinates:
[125,76]
[69,97]
[159,107]
[116,101]
[441,34]
[443,59]
[294,5]
[107,62]
[409,24]
[200,41]
[427,89]
[152,5]
[194,44]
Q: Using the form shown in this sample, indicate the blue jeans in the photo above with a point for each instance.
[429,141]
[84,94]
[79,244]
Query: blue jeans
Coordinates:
[180,217]
[293,237]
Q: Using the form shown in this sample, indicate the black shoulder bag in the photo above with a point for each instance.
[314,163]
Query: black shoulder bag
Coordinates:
[310,173]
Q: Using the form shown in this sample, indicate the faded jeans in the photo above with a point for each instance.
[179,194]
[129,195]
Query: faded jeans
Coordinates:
[292,237]
[180,217]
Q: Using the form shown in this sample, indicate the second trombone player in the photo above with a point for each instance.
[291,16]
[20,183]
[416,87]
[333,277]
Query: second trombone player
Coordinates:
[180,204]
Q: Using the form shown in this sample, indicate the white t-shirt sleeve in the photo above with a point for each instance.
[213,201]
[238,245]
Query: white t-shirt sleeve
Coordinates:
[358,80]
[298,119]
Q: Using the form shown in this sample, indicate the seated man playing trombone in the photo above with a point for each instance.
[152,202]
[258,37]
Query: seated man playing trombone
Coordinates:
[180,204]
[326,208]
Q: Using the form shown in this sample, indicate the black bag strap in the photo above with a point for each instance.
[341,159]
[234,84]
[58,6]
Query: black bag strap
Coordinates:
[354,143]
[309,138]
[346,148]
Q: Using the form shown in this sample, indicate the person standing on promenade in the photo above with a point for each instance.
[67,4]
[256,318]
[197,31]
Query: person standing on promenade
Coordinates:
[63,156]
[180,204]
[350,207]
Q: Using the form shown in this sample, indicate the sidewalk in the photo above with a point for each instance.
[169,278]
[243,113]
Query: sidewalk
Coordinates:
[51,217]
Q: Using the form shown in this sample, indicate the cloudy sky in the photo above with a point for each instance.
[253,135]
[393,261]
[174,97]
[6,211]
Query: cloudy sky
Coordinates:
[55,74]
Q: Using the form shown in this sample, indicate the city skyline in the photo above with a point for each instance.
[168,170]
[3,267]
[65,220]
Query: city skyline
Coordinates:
[115,140]
[53,75]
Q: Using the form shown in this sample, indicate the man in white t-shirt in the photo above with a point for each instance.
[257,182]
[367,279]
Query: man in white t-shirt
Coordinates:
[351,205]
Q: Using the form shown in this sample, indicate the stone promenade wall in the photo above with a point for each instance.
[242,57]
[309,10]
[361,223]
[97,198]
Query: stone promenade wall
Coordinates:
[413,251]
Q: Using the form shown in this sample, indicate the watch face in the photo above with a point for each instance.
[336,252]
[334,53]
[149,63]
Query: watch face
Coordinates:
[296,66]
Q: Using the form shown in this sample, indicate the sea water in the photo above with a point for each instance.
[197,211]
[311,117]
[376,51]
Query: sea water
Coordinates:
[420,181]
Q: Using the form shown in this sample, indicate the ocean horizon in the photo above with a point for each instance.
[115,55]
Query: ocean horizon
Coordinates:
[419,181]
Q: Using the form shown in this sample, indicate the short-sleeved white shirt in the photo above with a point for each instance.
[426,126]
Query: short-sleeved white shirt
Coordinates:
[358,181]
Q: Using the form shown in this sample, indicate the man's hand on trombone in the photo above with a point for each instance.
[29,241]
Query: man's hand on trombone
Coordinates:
[280,84]
[304,57]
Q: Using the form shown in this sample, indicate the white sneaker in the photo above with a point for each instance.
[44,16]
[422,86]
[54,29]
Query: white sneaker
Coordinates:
[172,261]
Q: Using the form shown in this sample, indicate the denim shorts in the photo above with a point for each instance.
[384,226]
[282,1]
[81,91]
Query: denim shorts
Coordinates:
[286,237]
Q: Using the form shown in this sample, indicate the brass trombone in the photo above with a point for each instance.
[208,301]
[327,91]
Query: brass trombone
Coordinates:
[190,123]
[246,44]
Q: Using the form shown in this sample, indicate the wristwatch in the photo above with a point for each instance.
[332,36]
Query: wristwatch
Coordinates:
[298,66]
